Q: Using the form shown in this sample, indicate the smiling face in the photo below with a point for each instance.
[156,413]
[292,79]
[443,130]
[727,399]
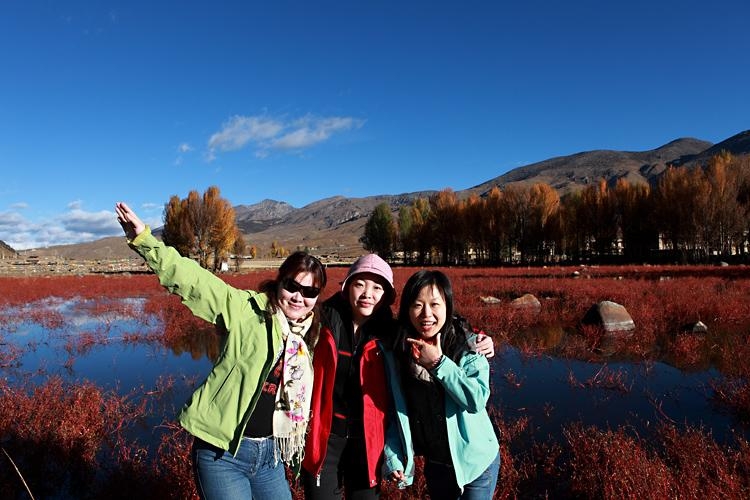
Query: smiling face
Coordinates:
[365,292]
[293,304]
[427,312]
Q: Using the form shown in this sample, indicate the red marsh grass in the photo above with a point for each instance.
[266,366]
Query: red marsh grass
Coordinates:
[67,438]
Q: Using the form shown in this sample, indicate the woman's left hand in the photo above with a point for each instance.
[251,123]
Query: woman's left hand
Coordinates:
[426,352]
[485,345]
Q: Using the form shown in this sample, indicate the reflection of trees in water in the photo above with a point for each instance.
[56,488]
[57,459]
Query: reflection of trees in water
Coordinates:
[199,342]
[183,332]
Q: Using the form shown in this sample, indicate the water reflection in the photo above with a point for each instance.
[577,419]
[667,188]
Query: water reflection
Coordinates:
[114,344]
[120,346]
[531,380]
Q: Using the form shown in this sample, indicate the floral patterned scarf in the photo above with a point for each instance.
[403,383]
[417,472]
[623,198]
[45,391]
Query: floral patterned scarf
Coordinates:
[292,410]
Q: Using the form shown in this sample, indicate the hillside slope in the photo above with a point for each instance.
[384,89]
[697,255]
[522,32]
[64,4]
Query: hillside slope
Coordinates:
[333,226]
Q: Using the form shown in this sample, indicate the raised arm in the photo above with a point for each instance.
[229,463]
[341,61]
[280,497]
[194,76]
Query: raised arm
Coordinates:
[205,294]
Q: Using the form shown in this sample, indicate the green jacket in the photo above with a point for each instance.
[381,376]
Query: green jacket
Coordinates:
[219,409]
[471,436]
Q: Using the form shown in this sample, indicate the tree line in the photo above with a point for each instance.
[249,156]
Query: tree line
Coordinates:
[693,214]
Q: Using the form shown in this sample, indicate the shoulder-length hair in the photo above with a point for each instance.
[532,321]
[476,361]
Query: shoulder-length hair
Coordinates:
[450,340]
[298,262]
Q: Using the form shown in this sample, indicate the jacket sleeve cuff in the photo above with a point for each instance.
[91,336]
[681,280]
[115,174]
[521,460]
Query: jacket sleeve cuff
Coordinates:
[138,240]
[437,366]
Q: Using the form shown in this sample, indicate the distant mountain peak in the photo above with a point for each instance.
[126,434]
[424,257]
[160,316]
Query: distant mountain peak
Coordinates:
[333,226]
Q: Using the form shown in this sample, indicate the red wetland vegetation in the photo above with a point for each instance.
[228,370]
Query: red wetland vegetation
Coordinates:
[94,368]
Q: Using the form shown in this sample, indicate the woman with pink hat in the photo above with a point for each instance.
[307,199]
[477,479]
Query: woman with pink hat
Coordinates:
[350,399]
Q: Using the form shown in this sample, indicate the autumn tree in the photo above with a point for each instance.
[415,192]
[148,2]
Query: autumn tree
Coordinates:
[742,168]
[277,250]
[575,235]
[222,223]
[514,217]
[675,204]
[634,215]
[380,231]
[406,240]
[444,221]
[599,217]
[724,219]
[203,226]
[178,229]
[472,216]
[239,248]
[544,202]
[422,230]
[415,232]
[493,228]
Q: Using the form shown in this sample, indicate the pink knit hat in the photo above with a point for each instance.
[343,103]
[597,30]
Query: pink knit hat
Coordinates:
[371,263]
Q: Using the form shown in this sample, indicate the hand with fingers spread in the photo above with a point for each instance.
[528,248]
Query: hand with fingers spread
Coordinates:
[426,352]
[131,224]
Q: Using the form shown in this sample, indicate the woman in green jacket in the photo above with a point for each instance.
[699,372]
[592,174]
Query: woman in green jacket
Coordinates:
[250,415]
[441,387]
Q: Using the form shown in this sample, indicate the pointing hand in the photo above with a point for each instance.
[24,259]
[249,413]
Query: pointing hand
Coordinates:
[426,352]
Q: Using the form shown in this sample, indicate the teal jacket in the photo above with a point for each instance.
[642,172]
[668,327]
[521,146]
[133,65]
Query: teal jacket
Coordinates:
[219,409]
[471,436]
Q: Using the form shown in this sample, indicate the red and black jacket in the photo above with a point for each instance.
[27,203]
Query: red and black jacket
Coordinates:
[334,348]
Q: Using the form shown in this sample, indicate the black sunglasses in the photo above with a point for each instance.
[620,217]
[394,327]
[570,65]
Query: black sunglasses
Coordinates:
[291,286]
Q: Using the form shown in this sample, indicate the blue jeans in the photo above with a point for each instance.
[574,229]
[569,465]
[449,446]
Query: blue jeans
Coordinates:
[441,482]
[255,473]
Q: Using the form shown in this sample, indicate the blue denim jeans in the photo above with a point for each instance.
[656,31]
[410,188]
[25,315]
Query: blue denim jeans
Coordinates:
[441,482]
[255,473]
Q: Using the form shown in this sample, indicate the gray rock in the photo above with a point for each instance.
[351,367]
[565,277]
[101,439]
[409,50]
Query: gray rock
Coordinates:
[700,327]
[612,316]
[489,299]
[527,301]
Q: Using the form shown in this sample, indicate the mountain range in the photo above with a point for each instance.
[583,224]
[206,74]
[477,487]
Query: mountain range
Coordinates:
[332,226]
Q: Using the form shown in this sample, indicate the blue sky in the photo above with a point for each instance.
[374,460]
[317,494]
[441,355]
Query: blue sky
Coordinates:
[137,101]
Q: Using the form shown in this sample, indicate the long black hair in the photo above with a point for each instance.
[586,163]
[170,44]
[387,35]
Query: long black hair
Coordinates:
[451,341]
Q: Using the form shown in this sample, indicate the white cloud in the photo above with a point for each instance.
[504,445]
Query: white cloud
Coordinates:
[74,226]
[181,150]
[102,222]
[240,130]
[309,132]
[266,134]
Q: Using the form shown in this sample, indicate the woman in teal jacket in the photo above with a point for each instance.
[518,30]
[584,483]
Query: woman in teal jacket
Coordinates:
[250,415]
[441,398]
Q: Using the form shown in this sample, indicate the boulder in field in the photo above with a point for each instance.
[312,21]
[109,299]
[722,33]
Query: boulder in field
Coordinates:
[697,327]
[611,316]
[527,301]
[489,299]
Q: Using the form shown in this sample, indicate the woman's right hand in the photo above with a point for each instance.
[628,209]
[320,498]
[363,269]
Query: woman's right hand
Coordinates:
[397,476]
[131,224]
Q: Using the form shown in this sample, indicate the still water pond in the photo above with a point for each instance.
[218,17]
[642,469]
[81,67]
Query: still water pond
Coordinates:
[120,352]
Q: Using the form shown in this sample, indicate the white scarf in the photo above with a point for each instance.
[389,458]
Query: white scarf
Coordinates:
[292,409]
